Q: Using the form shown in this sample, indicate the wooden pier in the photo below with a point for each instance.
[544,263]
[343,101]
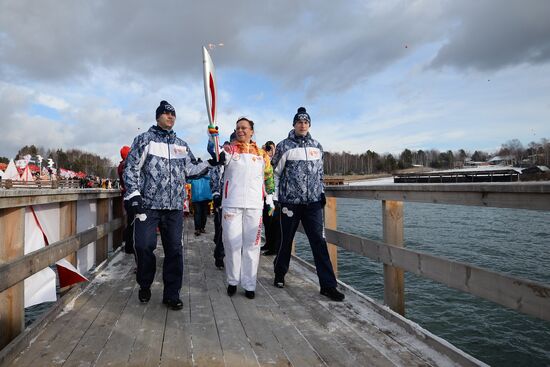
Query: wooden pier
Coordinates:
[103,324]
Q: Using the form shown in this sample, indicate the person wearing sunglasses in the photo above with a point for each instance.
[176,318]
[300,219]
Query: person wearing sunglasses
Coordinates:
[154,175]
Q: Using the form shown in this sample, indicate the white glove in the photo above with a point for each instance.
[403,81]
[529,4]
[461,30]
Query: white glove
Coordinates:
[269,202]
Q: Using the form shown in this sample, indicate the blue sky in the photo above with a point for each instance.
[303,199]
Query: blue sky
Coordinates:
[379,75]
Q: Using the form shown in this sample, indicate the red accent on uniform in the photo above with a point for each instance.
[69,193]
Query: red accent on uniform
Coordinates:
[259,233]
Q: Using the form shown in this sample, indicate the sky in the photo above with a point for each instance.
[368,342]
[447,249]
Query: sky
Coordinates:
[379,75]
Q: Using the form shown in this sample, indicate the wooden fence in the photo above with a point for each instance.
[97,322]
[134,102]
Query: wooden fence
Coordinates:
[15,267]
[519,294]
[522,295]
[40,184]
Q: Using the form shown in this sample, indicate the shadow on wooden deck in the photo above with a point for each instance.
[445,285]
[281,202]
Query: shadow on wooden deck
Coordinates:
[106,325]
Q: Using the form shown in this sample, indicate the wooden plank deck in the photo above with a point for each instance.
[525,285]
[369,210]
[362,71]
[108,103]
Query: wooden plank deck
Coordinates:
[106,325]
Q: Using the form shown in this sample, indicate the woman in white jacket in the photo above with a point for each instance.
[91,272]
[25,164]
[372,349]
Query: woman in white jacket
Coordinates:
[248,178]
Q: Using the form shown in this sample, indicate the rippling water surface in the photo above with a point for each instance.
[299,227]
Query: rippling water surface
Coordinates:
[511,241]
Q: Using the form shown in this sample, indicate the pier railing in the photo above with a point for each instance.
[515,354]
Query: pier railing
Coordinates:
[523,295]
[519,294]
[40,184]
[15,266]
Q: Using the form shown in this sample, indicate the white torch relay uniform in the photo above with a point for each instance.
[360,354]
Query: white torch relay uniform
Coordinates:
[248,177]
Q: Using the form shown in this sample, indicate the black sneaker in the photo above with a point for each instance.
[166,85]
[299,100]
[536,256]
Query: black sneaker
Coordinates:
[144,295]
[333,294]
[219,263]
[174,304]
[249,294]
[231,289]
[197,232]
[279,281]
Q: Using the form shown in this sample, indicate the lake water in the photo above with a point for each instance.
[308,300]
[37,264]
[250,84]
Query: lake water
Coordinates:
[511,241]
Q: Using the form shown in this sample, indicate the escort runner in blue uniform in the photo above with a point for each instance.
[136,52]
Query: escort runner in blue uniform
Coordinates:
[299,192]
[154,175]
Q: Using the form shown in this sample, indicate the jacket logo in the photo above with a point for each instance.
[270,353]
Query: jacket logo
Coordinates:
[179,150]
[314,153]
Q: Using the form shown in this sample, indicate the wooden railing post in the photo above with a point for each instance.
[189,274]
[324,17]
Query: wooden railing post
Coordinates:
[331,223]
[12,246]
[102,244]
[394,284]
[67,228]
[67,224]
[118,212]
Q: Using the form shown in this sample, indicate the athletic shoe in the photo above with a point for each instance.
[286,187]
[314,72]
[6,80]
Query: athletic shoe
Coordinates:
[197,232]
[144,295]
[279,281]
[333,294]
[202,230]
[269,253]
[174,304]
[249,294]
[231,289]
[219,263]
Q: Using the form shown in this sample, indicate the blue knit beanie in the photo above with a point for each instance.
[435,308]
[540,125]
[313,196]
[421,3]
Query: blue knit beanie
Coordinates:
[301,115]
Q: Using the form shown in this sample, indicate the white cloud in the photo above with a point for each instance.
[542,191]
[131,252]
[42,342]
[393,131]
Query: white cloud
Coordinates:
[346,61]
[52,102]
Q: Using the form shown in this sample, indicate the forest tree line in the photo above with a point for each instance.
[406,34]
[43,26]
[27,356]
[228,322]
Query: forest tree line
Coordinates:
[340,163]
[344,163]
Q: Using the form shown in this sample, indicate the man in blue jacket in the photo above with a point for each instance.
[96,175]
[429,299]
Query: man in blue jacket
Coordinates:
[201,195]
[154,175]
[299,192]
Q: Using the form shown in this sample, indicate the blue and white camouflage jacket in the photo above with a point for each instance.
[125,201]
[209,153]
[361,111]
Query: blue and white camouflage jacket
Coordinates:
[156,169]
[298,168]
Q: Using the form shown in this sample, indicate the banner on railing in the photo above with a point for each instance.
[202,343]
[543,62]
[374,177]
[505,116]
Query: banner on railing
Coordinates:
[42,228]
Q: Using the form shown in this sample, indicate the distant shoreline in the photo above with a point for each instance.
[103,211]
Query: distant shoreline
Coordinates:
[351,178]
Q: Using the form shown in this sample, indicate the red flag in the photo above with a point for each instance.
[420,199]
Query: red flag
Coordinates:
[68,274]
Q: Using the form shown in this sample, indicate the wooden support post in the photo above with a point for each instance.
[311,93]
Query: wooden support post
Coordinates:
[394,284]
[118,212]
[102,244]
[12,246]
[67,228]
[67,224]
[331,223]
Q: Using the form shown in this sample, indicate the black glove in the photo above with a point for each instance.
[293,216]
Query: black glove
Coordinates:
[135,206]
[323,199]
[277,207]
[216,162]
[217,199]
